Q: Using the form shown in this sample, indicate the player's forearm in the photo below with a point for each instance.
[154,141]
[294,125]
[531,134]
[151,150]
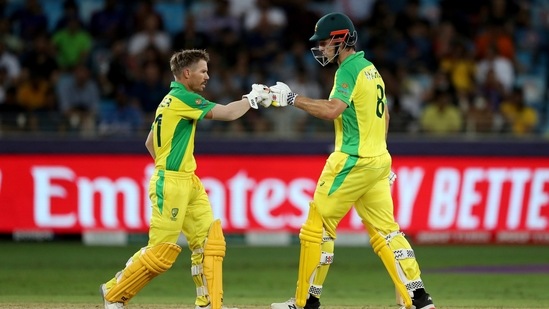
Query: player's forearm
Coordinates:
[231,111]
[317,108]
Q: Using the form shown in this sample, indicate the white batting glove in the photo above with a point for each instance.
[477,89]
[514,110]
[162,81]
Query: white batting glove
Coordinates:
[281,95]
[265,94]
[392,178]
[259,94]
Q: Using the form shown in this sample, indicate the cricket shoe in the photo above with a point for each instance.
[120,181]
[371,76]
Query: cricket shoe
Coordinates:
[424,302]
[209,306]
[108,304]
[290,304]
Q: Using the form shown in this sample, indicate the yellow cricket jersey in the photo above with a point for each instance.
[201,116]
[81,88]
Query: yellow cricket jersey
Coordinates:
[360,129]
[174,128]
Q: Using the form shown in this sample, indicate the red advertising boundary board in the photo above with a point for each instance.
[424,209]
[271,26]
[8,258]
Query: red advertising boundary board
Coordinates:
[437,198]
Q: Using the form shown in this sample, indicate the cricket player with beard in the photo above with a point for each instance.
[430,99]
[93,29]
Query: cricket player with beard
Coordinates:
[179,201]
[357,173]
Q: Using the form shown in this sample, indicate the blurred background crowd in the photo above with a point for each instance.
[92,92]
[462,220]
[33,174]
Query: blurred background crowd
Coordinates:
[98,68]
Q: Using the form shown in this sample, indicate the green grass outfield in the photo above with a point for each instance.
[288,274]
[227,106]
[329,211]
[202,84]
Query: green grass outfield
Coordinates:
[67,275]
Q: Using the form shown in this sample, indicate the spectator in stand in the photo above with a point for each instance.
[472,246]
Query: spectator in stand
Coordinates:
[410,15]
[417,36]
[141,11]
[302,17]
[33,92]
[239,7]
[115,74]
[12,115]
[36,96]
[108,25]
[529,40]
[73,45]
[13,42]
[147,90]
[500,11]
[444,38]
[79,98]
[520,119]
[462,14]
[412,91]
[29,20]
[358,10]
[217,18]
[480,117]
[441,116]
[152,34]
[151,54]
[11,63]
[501,67]
[231,45]
[71,11]
[401,120]
[222,30]
[265,13]
[460,66]
[189,37]
[123,119]
[492,90]
[39,60]
[494,39]
[419,46]
[264,26]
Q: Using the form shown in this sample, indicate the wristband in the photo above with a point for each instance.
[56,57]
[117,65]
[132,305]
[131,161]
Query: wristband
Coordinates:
[291,98]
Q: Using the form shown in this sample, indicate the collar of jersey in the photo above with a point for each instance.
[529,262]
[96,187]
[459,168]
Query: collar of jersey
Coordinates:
[176,84]
[351,57]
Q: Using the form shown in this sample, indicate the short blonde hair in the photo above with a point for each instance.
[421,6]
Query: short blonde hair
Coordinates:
[186,58]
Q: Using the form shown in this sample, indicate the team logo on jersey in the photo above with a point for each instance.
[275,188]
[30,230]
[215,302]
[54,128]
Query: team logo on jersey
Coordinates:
[198,101]
[343,88]
[175,211]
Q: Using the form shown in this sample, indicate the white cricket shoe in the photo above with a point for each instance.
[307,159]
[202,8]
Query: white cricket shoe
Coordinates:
[108,304]
[209,307]
[289,304]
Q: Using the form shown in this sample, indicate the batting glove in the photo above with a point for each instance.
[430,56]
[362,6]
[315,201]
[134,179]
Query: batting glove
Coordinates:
[282,95]
[259,94]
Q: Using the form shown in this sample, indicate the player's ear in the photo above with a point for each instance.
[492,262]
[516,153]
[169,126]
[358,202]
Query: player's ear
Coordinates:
[186,73]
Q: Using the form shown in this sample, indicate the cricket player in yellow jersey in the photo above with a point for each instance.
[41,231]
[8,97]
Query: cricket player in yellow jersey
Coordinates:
[358,172]
[179,201]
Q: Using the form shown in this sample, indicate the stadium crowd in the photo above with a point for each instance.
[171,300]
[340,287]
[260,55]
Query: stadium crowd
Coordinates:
[100,67]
